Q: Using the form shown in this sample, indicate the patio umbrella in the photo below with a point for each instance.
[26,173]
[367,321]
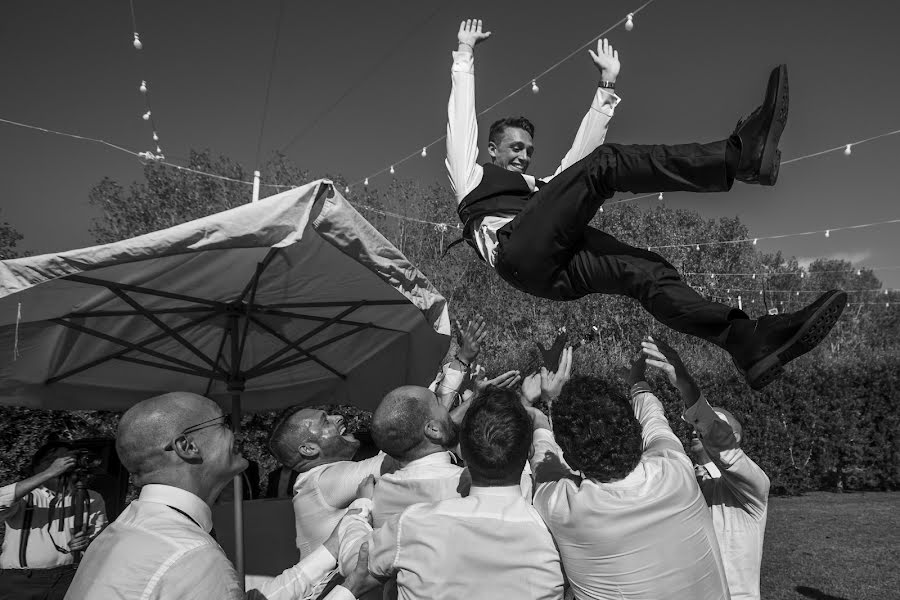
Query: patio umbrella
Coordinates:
[295,299]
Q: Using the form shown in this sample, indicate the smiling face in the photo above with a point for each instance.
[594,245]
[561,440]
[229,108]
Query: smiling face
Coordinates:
[325,435]
[513,151]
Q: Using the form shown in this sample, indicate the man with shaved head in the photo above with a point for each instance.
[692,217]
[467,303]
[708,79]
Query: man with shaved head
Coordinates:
[179,448]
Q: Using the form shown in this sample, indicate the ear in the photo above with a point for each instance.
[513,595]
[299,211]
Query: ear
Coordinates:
[434,432]
[187,450]
[308,450]
[492,149]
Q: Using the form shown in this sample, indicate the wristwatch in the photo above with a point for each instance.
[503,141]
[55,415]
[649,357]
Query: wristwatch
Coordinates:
[607,85]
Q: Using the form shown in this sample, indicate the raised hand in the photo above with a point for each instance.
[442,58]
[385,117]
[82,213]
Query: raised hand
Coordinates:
[552,382]
[470,339]
[660,355]
[470,33]
[366,487]
[607,60]
[506,380]
[531,389]
[637,371]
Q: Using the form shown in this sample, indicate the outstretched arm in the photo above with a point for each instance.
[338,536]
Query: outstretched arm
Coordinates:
[648,410]
[462,124]
[592,131]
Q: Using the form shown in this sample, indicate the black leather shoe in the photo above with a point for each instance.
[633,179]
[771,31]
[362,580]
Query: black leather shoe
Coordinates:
[765,346]
[760,131]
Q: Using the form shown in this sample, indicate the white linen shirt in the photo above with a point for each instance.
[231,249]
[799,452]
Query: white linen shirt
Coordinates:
[738,499]
[649,535]
[462,144]
[491,544]
[322,496]
[40,550]
[153,552]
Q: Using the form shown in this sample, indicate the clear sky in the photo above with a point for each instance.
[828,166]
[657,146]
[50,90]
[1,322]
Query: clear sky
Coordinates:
[367,83]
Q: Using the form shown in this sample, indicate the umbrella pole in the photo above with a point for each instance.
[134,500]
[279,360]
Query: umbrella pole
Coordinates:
[238,493]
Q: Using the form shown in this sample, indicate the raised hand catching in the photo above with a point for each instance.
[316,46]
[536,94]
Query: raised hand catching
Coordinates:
[607,60]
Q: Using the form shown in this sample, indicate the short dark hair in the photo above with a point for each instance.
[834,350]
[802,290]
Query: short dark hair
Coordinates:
[398,424]
[499,127]
[281,428]
[594,424]
[495,437]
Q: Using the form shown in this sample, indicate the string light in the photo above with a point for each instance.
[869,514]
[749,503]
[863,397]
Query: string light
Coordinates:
[346,189]
[827,233]
[424,151]
[858,272]
[534,86]
[137,41]
[802,274]
[847,150]
[143,87]
[660,196]
[392,169]
[698,246]
[629,22]
[755,240]
[155,137]
[146,116]
[366,182]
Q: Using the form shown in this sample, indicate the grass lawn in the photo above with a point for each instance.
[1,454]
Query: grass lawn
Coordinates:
[833,547]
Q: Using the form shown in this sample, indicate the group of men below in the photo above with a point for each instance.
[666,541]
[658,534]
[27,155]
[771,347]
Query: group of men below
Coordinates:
[480,501]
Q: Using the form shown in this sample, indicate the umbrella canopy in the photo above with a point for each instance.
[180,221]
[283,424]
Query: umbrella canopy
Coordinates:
[295,299]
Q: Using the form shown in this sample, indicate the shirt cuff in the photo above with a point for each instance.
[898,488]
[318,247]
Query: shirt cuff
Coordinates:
[340,593]
[463,62]
[641,387]
[701,415]
[364,504]
[317,564]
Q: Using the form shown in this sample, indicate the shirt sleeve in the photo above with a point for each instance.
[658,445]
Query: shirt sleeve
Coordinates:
[300,580]
[199,574]
[340,593]
[385,547]
[547,461]
[462,128]
[353,531]
[339,481]
[8,506]
[592,131]
[97,518]
[739,473]
[656,432]
[447,384]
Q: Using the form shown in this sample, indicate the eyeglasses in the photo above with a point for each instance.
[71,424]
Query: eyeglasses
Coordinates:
[224,420]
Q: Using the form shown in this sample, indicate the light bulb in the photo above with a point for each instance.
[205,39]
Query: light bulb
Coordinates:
[155,137]
[827,233]
[847,150]
[885,292]
[143,87]
[534,87]
[760,292]
[392,169]
[601,209]
[801,274]
[146,116]
[158,151]
[754,276]
[858,272]
[698,246]
[346,189]
[660,196]
[137,41]
[629,22]
[798,293]
[424,151]
[366,182]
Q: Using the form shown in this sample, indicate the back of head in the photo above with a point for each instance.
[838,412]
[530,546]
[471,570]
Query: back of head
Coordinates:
[285,437]
[150,425]
[501,125]
[594,424]
[495,437]
[398,424]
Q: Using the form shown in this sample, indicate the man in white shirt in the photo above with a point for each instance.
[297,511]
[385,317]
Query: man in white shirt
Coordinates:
[41,543]
[535,233]
[490,544]
[180,450]
[633,523]
[738,494]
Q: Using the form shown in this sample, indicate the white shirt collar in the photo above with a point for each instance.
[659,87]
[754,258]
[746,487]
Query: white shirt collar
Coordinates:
[181,499]
[438,458]
[508,491]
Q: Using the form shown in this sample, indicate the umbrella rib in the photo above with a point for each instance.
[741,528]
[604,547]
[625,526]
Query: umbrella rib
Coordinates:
[115,340]
[299,349]
[134,313]
[284,364]
[254,284]
[254,281]
[265,310]
[120,353]
[218,358]
[333,304]
[302,339]
[111,285]
[150,363]
[156,321]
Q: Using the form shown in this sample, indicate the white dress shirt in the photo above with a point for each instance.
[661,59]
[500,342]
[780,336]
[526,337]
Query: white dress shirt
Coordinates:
[738,499]
[40,551]
[491,544]
[160,548]
[322,495]
[462,144]
[649,535]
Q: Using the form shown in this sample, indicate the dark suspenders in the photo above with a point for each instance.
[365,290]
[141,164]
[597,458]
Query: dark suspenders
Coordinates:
[26,529]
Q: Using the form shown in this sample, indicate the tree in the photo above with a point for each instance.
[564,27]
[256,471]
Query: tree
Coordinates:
[9,237]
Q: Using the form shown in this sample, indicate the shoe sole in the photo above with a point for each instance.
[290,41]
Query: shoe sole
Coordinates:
[813,331]
[771,157]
